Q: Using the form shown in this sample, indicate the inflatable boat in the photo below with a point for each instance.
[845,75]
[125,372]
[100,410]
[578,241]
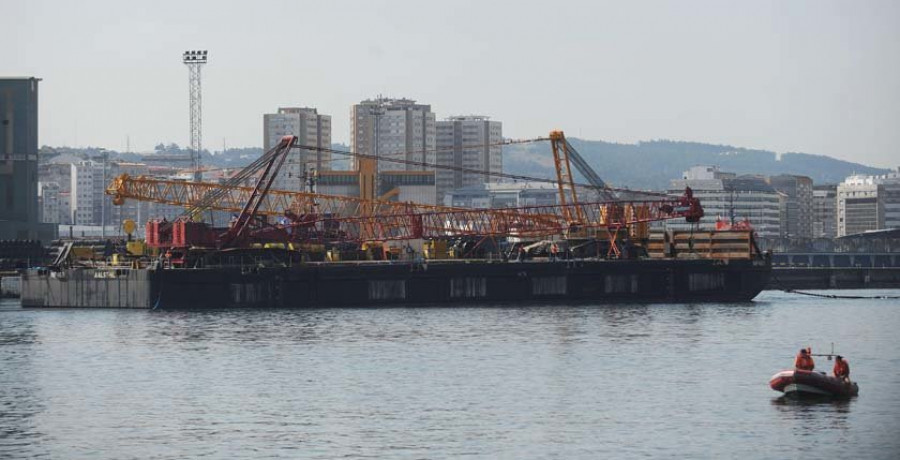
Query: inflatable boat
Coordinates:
[799,383]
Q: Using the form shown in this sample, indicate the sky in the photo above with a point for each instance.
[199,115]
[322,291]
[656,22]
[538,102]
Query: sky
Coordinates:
[801,76]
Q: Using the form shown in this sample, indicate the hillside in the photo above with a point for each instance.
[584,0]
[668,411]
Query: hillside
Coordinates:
[651,165]
[645,165]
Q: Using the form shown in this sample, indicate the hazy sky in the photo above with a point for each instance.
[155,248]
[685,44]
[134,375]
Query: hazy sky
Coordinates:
[811,76]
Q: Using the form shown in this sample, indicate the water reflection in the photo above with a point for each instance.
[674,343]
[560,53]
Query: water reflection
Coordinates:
[20,399]
[16,330]
[252,326]
[814,414]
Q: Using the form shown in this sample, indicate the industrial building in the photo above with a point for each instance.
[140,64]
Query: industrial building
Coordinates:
[19,212]
[467,143]
[405,186]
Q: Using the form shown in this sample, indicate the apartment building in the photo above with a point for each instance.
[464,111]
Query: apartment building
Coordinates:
[48,199]
[394,129]
[466,144]
[87,187]
[312,130]
[797,205]
[824,211]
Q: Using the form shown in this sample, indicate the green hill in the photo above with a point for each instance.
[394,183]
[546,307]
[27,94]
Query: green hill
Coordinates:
[651,165]
[645,165]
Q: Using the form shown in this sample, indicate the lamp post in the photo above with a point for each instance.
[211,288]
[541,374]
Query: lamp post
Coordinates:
[194,60]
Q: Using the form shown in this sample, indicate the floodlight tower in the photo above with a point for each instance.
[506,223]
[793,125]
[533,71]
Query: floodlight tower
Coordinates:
[194,60]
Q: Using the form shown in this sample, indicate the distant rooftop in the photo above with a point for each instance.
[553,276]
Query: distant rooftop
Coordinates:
[872,234]
[393,103]
[507,186]
[865,179]
[468,118]
[748,184]
[311,110]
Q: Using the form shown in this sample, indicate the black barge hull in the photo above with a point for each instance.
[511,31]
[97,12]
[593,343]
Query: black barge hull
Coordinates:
[374,284]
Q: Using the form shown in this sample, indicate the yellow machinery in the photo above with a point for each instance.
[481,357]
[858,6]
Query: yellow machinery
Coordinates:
[133,247]
[435,249]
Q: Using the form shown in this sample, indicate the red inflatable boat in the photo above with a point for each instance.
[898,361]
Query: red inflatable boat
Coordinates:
[809,383]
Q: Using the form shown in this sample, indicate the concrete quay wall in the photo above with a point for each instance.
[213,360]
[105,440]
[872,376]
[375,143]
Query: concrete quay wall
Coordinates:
[834,278]
[88,288]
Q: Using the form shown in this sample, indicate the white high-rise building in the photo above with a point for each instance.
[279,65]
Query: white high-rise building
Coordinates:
[312,129]
[87,190]
[467,142]
[397,129]
[729,197]
[867,203]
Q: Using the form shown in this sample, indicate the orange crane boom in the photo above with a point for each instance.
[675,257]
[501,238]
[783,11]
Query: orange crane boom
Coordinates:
[306,215]
[369,219]
[275,203]
[385,220]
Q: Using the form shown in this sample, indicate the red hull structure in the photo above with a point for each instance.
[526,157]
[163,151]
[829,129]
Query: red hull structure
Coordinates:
[809,383]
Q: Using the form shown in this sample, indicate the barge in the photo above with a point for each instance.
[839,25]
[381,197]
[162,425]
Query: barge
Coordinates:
[271,253]
[391,283]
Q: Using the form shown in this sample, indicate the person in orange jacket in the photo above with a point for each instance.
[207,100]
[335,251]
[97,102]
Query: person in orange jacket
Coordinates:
[841,368]
[804,360]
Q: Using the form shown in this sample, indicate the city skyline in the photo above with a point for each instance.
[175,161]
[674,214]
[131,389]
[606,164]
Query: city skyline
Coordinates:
[814,77]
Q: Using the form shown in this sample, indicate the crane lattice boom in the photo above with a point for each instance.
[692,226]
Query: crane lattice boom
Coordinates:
[305,216]
[384,220]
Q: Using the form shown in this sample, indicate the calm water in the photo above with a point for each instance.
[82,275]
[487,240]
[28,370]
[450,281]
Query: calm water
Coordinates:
[536,382]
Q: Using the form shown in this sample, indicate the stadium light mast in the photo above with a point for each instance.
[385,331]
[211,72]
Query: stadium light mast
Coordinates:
[194,60]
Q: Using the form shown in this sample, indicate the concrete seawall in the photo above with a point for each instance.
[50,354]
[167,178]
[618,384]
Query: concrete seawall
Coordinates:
[10,286]
[88,288]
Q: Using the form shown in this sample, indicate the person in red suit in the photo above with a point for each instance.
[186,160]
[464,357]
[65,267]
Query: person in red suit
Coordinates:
[841,368]
[804,361]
